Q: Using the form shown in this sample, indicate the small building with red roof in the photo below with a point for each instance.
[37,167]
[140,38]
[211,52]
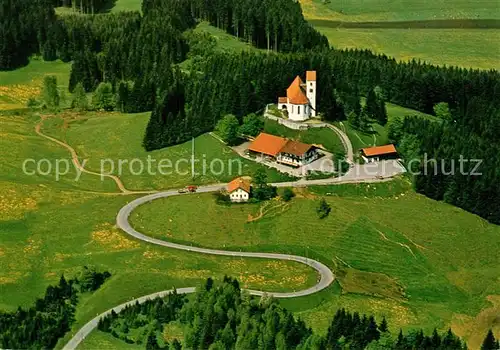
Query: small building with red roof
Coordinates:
[239,190]
[375,154]
[300,100]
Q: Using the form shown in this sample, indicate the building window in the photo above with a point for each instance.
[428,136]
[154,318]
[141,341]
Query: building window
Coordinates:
[311,84]
[311,90]
[299,110]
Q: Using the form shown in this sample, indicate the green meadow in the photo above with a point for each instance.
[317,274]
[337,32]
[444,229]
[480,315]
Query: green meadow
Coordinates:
[390,248]
[16,87]
[447,43]
[50,227]
[107,139]
[400,10]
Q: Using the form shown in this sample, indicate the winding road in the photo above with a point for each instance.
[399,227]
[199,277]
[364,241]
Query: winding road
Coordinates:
[356,174]
[326,276]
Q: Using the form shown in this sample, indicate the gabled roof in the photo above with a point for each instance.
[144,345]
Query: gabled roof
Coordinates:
[311,75]
[267,144]
[379,150]
[239,183]
[282,100]
[295,93]
[296,148]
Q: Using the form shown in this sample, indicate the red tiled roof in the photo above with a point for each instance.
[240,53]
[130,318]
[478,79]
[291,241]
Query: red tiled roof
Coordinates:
[282,100]
[267,144]
[379,150]
[311,75]
[295,93]
[296,148]
[239,183]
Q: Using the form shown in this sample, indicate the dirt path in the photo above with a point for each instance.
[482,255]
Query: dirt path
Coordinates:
[78,165]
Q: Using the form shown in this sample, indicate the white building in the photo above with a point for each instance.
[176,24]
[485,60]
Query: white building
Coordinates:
[300,100]
[239,190]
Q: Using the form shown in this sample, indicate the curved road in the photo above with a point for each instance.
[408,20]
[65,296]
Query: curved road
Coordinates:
[326,275]
[357,174]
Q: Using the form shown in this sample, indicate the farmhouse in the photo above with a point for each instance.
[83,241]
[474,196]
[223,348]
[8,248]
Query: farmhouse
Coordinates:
[300,100]
[239,190]
[284,151]
[375,154]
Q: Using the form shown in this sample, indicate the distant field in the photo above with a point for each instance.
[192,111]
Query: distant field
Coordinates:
[476,48]
[224,40]
[387,259]
[400,10]
[127,5]
[17,86]
[448,45]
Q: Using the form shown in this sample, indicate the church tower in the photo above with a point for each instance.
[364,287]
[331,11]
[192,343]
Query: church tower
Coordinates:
[311,90]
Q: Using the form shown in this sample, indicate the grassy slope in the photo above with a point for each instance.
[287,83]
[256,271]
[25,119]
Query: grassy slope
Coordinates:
[16,87]
[127,5]
[48,228]
[400,10]
[463,47]
[117,136]
[388,260]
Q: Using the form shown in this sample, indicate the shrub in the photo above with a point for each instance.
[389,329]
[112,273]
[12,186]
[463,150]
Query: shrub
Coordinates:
[323,209]
[288,194]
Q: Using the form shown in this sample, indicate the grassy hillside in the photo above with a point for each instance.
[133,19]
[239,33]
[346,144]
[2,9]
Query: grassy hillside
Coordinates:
[98,136]
[390,249]
[16,87]
[50,227]
[400,10]
[476,48]
[127,5]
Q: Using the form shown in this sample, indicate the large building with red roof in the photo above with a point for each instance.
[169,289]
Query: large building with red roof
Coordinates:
[282,150]
[300,100]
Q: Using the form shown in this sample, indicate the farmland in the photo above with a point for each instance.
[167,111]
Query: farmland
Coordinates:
[439,32]
[388,261]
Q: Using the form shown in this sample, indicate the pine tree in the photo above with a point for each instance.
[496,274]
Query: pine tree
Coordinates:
[489,342]
[80,101]
[50,93]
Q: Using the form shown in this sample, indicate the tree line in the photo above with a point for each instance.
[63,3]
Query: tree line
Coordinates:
[221,316]
[50,318]
[271,24]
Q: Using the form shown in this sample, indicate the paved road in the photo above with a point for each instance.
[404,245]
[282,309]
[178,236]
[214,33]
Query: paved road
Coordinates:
[358,174]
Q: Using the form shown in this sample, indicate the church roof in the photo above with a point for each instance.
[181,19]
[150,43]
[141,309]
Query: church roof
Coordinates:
[296,94]
[237,184]
[311,75]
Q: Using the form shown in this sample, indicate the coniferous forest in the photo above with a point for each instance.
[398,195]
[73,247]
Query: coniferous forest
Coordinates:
[221,316]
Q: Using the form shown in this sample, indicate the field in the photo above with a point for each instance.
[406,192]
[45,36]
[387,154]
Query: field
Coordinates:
[388,260]
[105,139]
[447,43]
[18,86]
[50,227]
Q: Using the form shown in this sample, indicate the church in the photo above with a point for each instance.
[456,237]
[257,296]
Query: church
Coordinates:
[300,100]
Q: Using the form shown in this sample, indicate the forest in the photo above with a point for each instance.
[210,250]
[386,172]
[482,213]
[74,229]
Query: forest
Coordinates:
[48,320]
[139,56]
[221,316]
